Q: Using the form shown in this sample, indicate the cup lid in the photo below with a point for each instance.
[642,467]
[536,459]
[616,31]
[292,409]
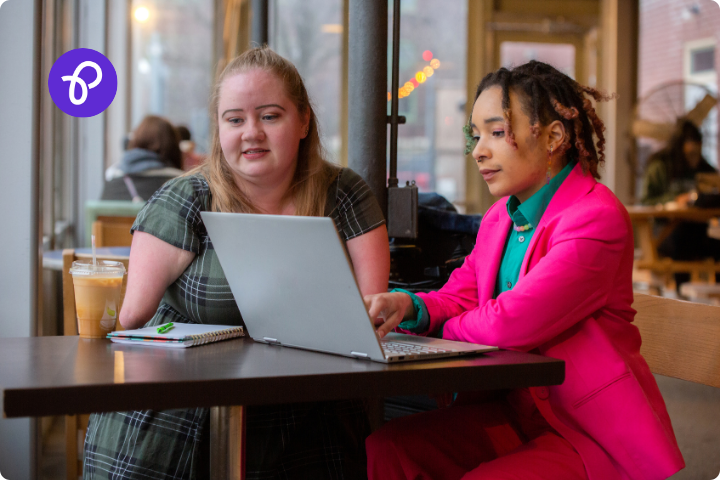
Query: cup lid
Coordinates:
[103,267]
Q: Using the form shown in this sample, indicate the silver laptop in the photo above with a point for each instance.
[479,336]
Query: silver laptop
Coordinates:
[294,285]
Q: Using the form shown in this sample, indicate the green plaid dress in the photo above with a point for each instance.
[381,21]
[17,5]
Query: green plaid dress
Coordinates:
[295,441]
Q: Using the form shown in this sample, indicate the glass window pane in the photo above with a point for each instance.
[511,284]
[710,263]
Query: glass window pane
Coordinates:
[559,55]
[433,38]
[677,67]
[172,63]
[309,34]
[703,60]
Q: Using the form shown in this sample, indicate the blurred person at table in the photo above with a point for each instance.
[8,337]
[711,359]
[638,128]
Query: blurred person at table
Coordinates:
[670,172]
[266,158]
[551,273]
[152,158]
[670,177]
[190,158]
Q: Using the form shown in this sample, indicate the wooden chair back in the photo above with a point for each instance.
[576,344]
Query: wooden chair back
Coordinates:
[680,339]
[112,231]
[76,425]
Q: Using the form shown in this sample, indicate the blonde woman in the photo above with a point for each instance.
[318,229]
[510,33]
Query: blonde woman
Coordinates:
[266,158]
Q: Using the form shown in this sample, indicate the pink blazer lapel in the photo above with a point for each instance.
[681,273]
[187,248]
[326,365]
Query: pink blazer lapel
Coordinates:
[575,186]
[491,243]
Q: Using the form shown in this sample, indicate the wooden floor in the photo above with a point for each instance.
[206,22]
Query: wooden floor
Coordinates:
[695,413]
[693,409]
[52,457]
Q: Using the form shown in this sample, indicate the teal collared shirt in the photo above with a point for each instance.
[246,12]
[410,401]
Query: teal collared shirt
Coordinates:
[528,213]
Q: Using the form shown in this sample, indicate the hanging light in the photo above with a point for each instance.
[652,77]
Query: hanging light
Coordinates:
[142,14]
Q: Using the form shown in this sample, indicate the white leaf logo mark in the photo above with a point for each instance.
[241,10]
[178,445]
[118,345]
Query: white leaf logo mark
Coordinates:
[718,4]
[1,477]
[74,78]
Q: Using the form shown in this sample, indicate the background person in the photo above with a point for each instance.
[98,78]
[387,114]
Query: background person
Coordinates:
[266,158]
[153,157]
[551,273]
[670,177]
[670,172]
[190,158]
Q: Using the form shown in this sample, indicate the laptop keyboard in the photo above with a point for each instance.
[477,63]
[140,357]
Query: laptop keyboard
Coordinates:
[398,348]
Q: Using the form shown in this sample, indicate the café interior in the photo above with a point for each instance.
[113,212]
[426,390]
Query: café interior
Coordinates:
[661,58]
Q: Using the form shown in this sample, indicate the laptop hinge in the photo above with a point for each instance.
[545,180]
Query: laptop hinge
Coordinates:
[272,341]
[359,355]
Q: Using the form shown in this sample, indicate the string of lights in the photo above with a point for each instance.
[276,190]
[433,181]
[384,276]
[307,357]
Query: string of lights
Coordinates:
[420,77]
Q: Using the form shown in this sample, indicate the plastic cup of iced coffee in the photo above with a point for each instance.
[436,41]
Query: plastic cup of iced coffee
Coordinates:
[97,296]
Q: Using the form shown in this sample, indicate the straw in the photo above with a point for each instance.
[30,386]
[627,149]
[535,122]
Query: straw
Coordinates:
[93,250]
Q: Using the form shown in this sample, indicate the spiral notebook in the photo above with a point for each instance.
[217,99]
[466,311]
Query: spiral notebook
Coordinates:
[182,335]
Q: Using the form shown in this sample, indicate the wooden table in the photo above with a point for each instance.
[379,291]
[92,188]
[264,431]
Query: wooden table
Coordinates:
[68,375]
[643,218]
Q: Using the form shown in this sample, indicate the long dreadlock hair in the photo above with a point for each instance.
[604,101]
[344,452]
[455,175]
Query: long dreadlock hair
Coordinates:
[546,95]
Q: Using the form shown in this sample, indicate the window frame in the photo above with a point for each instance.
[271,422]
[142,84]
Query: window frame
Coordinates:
[706,76]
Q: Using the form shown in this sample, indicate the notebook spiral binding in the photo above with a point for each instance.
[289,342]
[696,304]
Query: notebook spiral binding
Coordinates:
[214,336]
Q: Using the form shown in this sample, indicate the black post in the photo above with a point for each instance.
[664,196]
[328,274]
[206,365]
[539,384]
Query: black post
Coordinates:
[259,26]
[393,181]
[367,94]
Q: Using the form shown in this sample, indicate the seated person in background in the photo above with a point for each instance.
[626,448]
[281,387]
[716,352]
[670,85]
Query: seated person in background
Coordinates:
[190,159]
[670,172]
[153,157]
[266,158]
[551,273]
[670,176]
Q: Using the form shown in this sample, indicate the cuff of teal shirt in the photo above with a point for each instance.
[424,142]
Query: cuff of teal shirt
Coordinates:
[421,322]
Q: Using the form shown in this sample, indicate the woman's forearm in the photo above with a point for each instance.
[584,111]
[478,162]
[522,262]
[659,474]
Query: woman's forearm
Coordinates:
[370,255]
[154,266]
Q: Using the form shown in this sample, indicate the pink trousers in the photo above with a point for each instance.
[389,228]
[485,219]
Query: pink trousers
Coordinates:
[497,439]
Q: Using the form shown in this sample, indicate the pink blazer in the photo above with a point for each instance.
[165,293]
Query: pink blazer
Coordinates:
[572,301]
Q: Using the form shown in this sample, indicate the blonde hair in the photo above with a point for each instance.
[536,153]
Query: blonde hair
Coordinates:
[313,173]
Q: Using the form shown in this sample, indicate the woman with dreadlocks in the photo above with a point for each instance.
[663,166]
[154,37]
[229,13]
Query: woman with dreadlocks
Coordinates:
[551,274]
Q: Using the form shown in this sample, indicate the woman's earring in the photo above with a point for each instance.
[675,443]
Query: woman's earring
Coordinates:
[547,174]
[470,141]
[307,130]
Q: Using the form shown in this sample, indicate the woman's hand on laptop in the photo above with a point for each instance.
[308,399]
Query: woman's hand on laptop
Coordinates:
[388,309]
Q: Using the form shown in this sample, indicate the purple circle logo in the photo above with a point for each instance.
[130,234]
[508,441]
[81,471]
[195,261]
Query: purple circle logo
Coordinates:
[82,82]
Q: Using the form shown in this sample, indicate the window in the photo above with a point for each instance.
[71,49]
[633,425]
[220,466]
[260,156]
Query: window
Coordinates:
[433,46]
[559,55]
[309,34]
[172,69]
[700,69]
[678,42]
[702,60]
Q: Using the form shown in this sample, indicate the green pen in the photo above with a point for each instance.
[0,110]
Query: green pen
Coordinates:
[165,328]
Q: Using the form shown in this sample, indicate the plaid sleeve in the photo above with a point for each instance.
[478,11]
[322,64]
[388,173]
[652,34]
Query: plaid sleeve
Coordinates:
[173,213]
[356,210]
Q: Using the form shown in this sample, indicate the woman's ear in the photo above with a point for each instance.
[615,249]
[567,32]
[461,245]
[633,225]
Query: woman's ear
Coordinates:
[306,124]
[556,134]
